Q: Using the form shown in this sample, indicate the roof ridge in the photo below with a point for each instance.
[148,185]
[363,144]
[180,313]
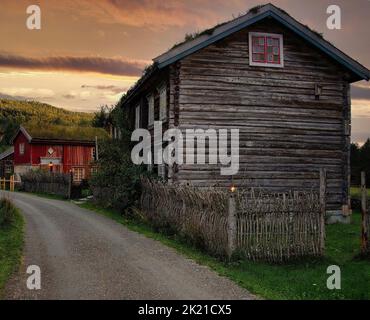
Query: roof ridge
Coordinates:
[254,15]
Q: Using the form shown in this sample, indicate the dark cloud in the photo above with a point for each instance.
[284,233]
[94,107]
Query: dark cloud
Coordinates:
[69,96]
[111,88]
[113,66]
[360,93]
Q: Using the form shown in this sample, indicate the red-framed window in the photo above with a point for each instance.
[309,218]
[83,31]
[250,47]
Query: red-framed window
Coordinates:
[266,49]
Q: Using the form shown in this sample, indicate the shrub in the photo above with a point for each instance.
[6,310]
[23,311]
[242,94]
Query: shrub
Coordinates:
[117,181]
[7,211]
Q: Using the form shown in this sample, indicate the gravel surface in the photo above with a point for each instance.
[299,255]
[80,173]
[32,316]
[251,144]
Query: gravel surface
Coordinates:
[83,255]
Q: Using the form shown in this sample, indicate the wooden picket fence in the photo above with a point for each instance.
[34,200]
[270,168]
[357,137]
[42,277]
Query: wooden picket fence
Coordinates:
[252,223]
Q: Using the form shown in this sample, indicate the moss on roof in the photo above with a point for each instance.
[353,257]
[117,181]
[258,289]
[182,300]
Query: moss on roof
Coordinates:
[69,133]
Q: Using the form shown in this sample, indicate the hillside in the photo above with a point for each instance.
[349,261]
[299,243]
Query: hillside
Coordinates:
[15,112]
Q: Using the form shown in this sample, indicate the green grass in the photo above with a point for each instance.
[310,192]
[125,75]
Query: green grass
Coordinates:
[11,245]
[356,192]
[298,280]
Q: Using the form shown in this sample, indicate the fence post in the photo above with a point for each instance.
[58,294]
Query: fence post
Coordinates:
[364,233]
[322,208]
[231,226]
[70,181]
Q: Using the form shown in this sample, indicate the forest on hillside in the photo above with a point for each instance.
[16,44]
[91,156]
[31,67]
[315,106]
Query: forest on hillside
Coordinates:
[16,112]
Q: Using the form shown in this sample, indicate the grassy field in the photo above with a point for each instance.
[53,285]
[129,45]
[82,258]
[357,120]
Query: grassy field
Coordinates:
[11,244]
[356,192]
[298,280]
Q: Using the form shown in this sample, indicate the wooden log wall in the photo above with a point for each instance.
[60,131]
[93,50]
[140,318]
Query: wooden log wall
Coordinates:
[286,135]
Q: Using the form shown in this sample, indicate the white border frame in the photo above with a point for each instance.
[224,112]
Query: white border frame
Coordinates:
[260,64]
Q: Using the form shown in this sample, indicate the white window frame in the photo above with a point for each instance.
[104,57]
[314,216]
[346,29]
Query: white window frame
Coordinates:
[93,154]
[266,64]
[78,174]
[163,102]
[150,109]
[22,148]
[137,116]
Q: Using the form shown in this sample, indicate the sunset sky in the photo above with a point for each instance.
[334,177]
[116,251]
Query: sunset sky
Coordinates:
[89,52]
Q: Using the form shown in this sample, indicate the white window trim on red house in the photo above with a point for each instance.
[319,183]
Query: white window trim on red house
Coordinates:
[22,148]
[266,64]
[78,174]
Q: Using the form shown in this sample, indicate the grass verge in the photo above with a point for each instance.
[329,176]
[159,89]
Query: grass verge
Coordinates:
[11,245]
[356,192]
[298,280]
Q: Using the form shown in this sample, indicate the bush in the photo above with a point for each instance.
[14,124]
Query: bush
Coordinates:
[117,181]
[7,212]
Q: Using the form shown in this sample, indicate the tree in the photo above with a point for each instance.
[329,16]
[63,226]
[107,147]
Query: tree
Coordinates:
[103,118]
[117,181]
[360,161]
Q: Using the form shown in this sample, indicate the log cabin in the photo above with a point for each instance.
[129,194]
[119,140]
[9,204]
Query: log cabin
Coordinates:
[56,149]
[280,83]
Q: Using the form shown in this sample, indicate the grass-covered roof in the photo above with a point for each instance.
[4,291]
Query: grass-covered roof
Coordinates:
[66,133]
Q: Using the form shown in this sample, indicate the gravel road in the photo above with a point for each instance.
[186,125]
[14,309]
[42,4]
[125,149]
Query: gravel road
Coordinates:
[83,255]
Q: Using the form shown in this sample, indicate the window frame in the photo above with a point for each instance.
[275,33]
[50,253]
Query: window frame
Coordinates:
[163,102]
[137,116]
[93,153]
[22,148]
[78,172]
[266,35]
[151,112]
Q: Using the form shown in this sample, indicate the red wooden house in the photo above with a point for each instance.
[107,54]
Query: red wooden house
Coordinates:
[57,149]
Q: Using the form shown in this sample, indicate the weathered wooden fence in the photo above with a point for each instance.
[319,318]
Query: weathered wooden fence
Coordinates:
[199,214]
[253,223]
[45,182]
[278,227]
